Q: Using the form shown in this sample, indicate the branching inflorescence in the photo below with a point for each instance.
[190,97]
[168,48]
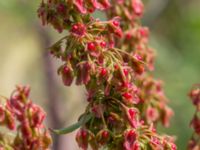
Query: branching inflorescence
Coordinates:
[25,120]
[113,60]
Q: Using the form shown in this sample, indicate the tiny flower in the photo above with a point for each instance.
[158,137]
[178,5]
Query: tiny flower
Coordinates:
[126,71]
[82,138]
[128,36]
[78,30]
[103,72]
[114,27]
[138,57]
[83,76]
[38,116]
[116,23]
[152,114]
[127,96]
[91,46]
[156,143]
[130,141]
[103,44]
[132,117]
[103,137]
[67,75]
[144,32]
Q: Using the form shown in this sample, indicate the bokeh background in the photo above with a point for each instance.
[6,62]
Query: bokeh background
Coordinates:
[175,34]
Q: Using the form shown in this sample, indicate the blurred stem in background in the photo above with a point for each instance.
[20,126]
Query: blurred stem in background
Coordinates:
[52,90]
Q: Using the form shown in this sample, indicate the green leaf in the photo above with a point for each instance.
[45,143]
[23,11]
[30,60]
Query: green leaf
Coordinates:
[75,126]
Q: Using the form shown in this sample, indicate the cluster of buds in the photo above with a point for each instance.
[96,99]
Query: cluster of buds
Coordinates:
[195,123]
[58,13]
[135,41]
[154,102]
[25,119]
[135,37]
[111,58]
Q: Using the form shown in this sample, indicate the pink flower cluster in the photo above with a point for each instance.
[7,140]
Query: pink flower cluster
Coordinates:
[20,115]
[154,101]
[195,123]
[113,60]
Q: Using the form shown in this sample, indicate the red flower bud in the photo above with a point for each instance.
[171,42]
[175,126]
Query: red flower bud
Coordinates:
[126,72]
[128,36]
[116,23]
[132,117]
[105,134]
[82,139]
[127,96]
[103,44]
[103,72]
[67,75]
[78,30]
[91,46]
[130,141]
[103,137]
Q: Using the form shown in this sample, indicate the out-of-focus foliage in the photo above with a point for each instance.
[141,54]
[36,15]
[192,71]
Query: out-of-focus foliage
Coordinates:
[175,34]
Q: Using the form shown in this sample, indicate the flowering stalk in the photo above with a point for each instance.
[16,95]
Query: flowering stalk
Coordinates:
[111,62]
[194,143]
[25,120]
[135,41]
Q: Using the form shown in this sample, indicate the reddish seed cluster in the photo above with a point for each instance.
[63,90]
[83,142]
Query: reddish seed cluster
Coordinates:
[20,115]
[112,59]
[195,123]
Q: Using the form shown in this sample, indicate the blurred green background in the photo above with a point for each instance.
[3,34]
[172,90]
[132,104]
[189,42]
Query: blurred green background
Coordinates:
[175,34]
